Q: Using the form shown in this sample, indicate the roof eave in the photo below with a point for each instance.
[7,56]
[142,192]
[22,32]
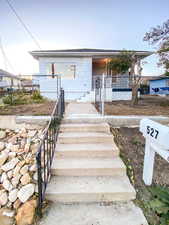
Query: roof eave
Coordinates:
[38,54]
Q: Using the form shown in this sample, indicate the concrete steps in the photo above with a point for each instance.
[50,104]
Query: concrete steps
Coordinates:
[95,150]
[89,189]
[84,137]
[83,127]
[94,214]
[88,167]
[88,97]
[88,175]
[91,119]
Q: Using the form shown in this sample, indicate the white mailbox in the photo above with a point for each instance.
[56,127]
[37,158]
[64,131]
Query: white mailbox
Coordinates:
[157,141]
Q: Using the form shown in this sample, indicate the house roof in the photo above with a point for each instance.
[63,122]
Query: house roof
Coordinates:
[85,52]
[4,73]
[149,77]
[163,77]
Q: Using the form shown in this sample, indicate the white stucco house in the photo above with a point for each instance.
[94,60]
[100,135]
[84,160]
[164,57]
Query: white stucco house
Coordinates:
[78,69]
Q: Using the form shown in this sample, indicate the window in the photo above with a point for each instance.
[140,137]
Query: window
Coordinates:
[65,70]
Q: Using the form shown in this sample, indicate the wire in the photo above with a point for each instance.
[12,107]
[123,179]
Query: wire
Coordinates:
[23,24]
[6,60]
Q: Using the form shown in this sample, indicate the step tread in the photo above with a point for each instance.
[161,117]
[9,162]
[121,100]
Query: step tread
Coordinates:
[81,135]
[114,163]
[97,184]
[87,147]
[83,124]
[85,127]
[96,214]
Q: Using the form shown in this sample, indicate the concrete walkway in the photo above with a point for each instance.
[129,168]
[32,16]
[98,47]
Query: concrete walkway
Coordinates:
[86,113]
[80,109]
[89,175]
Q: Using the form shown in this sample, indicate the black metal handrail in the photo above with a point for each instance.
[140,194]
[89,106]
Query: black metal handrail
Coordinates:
[45,154]
[98,94]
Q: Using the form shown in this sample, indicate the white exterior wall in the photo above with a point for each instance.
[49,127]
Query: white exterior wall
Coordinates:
[108,94]
[74,88]
[121,95]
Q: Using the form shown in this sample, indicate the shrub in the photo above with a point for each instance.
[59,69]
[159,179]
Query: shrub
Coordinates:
[37,96]
[20,98]
[14,99]
[160,203]
[7,100]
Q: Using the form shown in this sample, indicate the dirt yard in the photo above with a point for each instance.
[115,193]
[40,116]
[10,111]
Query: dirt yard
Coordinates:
[148,105]
[131,144]
[28,109]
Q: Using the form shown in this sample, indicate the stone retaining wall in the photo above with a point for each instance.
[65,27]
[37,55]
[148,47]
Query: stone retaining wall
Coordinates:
[18,172]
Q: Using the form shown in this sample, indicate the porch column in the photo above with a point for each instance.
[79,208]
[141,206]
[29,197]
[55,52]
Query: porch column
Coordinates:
[107,69]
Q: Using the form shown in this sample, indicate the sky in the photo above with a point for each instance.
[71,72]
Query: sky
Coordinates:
[62,24]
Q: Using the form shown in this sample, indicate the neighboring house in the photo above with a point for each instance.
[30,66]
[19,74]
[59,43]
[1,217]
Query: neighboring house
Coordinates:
[146,79]
[8,80]
[159,86]
[78,69]
[29,84]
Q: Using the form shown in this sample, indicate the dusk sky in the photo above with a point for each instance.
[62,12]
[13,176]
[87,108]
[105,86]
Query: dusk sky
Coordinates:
[61,24]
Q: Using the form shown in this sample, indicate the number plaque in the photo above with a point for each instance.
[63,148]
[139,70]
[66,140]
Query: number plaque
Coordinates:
[157,141]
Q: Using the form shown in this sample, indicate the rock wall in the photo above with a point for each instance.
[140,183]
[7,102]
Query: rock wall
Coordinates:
[18,175]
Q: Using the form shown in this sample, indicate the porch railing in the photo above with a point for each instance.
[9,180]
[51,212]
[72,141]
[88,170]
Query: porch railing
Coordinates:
[113,81]
[46,150]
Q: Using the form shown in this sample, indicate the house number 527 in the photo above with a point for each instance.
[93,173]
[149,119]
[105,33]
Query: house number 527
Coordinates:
[152,132]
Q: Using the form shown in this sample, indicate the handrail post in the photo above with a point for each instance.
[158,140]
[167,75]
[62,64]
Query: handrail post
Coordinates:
[40,199]
[62,101]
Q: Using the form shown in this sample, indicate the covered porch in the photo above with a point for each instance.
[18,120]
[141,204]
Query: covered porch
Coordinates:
[100,66]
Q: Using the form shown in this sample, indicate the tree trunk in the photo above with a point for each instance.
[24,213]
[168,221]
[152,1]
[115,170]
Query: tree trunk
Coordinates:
[134,100]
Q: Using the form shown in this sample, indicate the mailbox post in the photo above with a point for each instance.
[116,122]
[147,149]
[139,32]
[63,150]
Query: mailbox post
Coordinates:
[157,141]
